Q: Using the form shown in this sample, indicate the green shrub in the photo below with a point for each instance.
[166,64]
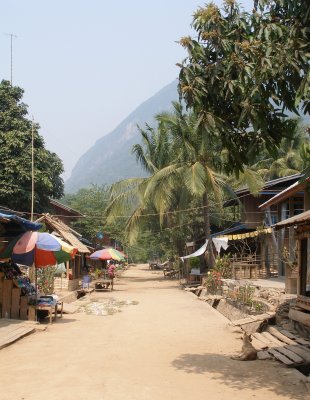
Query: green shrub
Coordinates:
[213,281]
[245,294]
[223,266]
[194,262]
[45,279]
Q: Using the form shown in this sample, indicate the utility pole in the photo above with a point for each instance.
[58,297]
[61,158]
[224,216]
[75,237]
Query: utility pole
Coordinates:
[11,37]
[32,171]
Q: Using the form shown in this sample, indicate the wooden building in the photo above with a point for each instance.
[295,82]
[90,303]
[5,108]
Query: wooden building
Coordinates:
[248,208]
[301,266]
[250,212]
[74,267]
[64,213]
[289,206]
[300,271]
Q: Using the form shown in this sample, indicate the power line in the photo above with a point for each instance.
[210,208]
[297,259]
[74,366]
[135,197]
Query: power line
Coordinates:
[100,217]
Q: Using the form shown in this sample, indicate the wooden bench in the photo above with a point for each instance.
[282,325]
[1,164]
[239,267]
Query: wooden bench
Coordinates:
[155,266]
[51,309]
[170,273]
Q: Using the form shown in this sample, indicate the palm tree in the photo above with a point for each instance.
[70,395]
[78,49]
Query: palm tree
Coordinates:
[182,164]
[291,157]
[185,167]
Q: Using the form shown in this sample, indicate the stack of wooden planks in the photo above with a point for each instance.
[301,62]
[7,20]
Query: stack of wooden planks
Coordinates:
[254,318]
[300,311]
[286,347]
[12,330]
[277,342]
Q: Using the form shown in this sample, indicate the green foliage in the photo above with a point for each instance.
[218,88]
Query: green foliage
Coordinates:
[182,164]
[293,154]
[245,294]
[15,157]
[194,262]
[213,281]
[91,203]
[45,279]
[257,306]
[244,71]
[223,266]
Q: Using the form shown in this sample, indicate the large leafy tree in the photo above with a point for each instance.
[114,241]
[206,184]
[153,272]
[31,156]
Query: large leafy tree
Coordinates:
[16,159]
[90,202]
[291,19]
[292,157]
[243,71]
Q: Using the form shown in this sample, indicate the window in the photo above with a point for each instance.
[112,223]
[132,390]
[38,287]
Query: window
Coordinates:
[298,205]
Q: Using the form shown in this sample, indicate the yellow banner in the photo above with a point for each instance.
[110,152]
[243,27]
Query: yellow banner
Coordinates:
[241,236]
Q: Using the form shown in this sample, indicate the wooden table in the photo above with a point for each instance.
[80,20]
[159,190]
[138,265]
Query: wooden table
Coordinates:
[53,308]
[196,277]
[50,308]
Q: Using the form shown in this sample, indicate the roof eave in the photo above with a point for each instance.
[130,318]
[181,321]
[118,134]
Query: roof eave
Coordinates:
[286,193]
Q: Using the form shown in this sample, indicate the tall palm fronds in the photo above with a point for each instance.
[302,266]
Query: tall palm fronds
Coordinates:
[291,157]
[183,165]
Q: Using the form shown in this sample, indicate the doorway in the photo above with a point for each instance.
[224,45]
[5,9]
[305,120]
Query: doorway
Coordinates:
[304,269]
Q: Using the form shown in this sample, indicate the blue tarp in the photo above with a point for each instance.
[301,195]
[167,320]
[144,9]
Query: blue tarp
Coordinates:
[25,224]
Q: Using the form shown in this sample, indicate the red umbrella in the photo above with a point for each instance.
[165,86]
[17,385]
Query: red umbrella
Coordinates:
[38,248]
[107,254]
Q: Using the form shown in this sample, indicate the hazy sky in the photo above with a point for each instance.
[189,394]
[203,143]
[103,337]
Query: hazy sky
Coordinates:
[86,64]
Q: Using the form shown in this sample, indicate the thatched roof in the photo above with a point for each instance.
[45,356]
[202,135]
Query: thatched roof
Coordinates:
[64,231]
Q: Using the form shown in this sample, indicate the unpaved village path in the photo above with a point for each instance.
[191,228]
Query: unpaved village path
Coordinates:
[168,346]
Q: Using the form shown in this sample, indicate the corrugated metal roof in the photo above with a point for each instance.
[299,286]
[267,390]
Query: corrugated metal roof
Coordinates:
[273,183]
[64,207]
[295,220]
[64,231]
[268,189]
[290,191]
[237,228]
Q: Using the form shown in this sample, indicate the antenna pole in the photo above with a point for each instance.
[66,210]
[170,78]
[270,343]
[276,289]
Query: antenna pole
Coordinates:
[11,39]
[32,171]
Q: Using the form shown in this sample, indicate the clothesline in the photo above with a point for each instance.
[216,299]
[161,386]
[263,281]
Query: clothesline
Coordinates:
[218,243]
[240,236]
[222,241]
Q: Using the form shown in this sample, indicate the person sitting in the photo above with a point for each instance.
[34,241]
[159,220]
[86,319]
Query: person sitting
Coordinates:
[86,279]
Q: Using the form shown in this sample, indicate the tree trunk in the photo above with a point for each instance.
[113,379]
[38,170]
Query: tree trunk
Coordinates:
[177,243]
[207,227]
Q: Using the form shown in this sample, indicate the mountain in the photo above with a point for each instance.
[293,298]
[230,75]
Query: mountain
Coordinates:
[110,159]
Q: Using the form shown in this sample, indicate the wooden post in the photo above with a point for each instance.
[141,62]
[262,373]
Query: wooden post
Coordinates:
[1,288]
[291,237]
[299,265]
[15,303]
[7,298]
[23,307]
[32,315]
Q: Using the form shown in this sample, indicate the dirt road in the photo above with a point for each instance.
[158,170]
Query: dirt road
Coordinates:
[168,346]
